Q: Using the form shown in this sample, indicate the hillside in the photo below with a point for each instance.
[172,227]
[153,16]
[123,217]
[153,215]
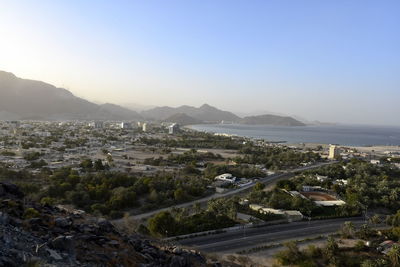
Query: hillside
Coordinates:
[120,112]
[43,235]
[183,119]
[205,113]
[271,120]
[29,99]
[22,99]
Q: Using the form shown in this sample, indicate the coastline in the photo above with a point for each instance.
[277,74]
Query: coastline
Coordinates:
[230,131]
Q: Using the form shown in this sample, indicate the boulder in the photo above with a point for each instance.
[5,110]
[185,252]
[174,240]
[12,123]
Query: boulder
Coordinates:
[63,243]
[105,226]
[63,222]
[178,261]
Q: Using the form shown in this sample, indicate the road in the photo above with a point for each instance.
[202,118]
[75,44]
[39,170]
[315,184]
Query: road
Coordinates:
[267,180]
[252,237]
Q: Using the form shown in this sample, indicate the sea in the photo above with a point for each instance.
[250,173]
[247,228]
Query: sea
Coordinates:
[333,134]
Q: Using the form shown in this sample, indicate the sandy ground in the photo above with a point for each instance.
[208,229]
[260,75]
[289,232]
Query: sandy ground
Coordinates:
[378,149]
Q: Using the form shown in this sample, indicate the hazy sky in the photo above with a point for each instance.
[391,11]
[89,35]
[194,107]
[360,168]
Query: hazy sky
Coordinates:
[323,60]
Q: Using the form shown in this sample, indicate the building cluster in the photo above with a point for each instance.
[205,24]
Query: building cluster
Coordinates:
[31,144]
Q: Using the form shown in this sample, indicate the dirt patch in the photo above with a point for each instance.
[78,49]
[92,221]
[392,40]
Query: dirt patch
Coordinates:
[318,196]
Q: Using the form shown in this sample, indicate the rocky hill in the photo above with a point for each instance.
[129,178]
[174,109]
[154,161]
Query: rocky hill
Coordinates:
[28,99]
[205,113]
[40,235]
[22,99]
[183,119]
[120,112]
[271,120]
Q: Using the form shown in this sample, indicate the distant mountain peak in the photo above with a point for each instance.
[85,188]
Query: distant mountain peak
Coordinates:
[268,119]
[23,99]
[205,113]
[183,119]
[206,106]
[7,74]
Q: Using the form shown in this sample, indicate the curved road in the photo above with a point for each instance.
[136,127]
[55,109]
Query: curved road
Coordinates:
[266,180]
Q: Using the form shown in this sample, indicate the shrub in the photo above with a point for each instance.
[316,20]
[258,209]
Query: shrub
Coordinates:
[31,213]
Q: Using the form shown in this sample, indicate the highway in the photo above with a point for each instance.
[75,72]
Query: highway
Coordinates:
[252,237]
[266,180]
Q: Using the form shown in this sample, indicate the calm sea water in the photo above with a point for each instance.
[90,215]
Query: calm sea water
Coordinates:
[343,135]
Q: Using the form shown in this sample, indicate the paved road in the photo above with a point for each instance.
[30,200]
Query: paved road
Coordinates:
[267,180]
[252,237]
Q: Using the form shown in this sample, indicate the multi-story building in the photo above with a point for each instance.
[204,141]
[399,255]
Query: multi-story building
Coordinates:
[334,152]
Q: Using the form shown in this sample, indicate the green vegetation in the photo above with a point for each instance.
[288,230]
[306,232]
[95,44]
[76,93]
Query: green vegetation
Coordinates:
[236,170]
[107,192]
[275,157]
[329,255]
[196,140]
[184,221]
[191,156]
[359,254]
[31,213]
[369,186]
[7,153]
[30,156]
[279,199]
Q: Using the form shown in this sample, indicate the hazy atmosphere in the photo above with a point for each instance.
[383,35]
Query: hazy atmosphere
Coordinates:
[334,61]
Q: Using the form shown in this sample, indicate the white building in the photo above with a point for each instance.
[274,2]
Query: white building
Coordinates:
[96,124]
[173,128]
[310,188]
[340,182]
[291,215]
[321,178]
[146,127]
[126,125]
[334,152]
[329,203]
[226,177]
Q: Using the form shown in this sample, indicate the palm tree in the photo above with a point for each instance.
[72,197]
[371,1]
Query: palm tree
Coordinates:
[369,263]
[393,195]
[394,255]
[348,229]
[375,219]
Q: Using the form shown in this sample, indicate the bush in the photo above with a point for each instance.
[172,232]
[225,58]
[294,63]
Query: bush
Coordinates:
[31,213]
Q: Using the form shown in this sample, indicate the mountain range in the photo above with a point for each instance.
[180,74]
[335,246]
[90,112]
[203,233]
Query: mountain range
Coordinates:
[271,120]
[204,113]
[23,99]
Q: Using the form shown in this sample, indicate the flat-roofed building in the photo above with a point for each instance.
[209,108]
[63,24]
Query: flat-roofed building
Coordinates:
[334,152]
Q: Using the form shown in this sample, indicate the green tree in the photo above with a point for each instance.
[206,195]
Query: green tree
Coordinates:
[98,165]
[86,164]
[331,248]
[259,186]
[375,219]
[394,255]
[369,263]
[347,230]
[162,224]
[180,195]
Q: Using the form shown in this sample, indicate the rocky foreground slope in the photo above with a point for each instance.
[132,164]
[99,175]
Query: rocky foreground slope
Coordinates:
[32,234]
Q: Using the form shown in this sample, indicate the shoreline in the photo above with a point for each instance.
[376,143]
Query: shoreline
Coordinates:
[378,148]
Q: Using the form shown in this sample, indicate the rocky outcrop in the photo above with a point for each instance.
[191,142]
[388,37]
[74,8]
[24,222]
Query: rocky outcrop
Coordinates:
[46,235]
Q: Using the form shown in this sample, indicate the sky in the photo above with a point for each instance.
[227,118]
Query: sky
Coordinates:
[333,61]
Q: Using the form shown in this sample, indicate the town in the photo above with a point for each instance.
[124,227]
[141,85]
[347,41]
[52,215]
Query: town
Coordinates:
[167,181]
